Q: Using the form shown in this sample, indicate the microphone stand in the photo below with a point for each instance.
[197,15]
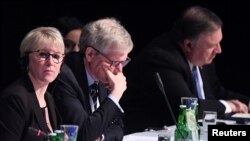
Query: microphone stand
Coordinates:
[161,87]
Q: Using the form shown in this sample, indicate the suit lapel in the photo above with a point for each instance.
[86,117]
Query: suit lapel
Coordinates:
[37,116]
[189,76]
[38,113]
[103,92]
[75,62]
[85,88]
[206,78]
[51,109]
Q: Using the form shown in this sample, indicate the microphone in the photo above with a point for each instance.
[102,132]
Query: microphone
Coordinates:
[161,87]
[37,132]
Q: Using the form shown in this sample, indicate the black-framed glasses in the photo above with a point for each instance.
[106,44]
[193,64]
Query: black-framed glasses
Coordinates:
[44,55]
[113,63]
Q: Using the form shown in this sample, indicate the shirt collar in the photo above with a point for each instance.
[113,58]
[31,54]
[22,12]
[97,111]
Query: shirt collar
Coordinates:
[90,79]
[190,65]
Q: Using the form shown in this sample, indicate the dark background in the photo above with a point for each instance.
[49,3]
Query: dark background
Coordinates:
[143,19]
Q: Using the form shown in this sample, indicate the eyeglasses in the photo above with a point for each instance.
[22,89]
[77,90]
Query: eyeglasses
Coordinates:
[114,63]
[44,55]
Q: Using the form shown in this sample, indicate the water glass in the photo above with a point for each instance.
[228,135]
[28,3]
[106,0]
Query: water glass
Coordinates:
[190,102]
[70,132]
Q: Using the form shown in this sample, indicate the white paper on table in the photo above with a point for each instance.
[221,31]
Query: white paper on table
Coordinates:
[241,115]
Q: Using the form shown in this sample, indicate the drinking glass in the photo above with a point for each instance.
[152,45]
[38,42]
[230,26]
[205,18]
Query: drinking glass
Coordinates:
[70,132]
[190,102]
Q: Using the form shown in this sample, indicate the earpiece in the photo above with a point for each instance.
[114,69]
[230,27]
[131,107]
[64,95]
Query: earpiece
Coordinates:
[24,61]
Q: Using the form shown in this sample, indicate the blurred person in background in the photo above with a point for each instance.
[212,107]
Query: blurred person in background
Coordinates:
[70,28]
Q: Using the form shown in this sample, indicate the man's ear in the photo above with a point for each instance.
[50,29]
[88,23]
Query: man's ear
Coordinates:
[89,53]
[187,45]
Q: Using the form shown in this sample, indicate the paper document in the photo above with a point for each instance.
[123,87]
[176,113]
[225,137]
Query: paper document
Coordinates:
[241,115]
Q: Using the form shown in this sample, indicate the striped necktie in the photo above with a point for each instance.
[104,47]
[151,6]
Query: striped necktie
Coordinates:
[94,94]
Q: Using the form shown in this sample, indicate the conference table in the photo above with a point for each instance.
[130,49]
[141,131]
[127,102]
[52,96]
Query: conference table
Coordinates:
[153,135]
[149,135]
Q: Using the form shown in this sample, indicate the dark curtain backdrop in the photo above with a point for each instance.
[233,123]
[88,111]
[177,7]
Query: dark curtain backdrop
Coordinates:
[143,19]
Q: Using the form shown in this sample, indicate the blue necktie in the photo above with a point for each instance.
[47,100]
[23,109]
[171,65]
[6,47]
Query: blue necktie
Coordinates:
[197,82]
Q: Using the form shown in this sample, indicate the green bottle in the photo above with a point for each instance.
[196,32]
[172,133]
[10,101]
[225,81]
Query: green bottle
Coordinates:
[182,132]
[52,137]
[59,135]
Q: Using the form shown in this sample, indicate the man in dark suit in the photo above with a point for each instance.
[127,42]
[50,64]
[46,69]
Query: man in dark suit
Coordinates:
[105,45]
[194,41]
